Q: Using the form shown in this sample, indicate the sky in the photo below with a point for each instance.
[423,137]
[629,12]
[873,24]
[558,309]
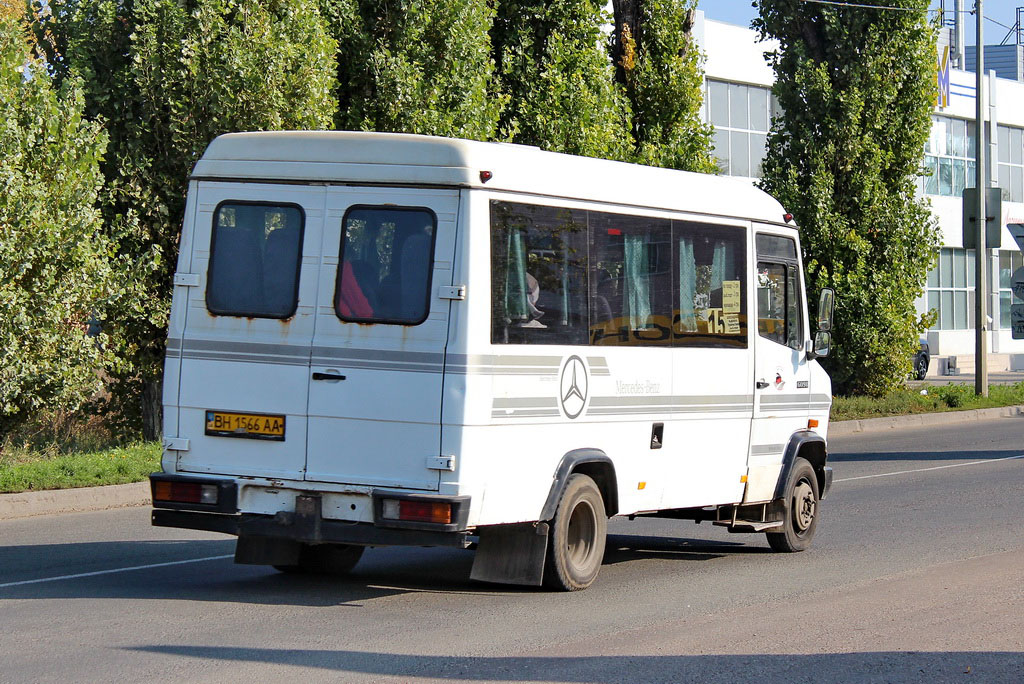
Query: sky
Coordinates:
[1002,11]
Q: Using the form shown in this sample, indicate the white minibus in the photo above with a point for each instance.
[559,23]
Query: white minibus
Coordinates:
[384,339]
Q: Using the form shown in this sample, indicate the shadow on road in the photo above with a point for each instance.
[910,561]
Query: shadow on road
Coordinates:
[621,548]
[381,572]
[925,456]
[889,666]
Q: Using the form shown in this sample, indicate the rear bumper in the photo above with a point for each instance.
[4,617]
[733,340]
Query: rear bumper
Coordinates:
[306,523]
[291,528]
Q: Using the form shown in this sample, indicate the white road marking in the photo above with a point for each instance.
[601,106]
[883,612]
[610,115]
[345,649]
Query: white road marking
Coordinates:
[109,572]
[921,470]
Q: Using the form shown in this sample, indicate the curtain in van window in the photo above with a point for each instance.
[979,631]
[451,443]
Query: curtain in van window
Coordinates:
[637,285]
[255,255]
[516,292]
[687,286]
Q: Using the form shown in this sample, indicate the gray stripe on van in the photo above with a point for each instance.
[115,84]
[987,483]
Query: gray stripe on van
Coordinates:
[489,364]
[524,402]
[223,346]
[527,413]
[598,366]
[742,400]
[662,410]
[766,449]
[344,354]
[247,358]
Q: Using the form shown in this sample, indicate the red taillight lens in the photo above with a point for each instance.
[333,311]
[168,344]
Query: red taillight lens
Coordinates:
[185,492]
[418,511]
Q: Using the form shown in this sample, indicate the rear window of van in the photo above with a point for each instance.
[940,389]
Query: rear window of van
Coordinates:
[255,254]
[386,261]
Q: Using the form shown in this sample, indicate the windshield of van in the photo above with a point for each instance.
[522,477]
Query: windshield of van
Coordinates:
[385,265]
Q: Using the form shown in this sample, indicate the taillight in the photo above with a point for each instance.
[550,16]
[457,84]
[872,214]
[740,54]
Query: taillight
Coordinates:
[185,492]
[417,511]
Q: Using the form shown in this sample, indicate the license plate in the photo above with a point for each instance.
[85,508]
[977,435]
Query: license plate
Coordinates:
[247,425]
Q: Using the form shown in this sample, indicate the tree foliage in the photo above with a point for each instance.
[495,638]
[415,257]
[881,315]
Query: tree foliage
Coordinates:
[857,87]
[167,76]
[55,269]
[552,63]
[414,67]
[658,64]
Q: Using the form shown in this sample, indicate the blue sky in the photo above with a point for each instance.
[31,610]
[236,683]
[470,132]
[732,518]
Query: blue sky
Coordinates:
[1003,11]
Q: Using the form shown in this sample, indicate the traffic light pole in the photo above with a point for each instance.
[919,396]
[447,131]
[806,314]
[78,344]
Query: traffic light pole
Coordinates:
[980,252]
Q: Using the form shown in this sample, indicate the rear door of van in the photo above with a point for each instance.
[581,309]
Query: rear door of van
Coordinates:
[248,328]
[380,336]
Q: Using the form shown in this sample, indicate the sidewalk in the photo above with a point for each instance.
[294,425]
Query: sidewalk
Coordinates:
[55,501]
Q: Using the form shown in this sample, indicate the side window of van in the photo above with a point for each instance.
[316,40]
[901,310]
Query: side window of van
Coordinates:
[711,264]
[255,255]
[631,280]
[779,308]
[538,274]
[385,265]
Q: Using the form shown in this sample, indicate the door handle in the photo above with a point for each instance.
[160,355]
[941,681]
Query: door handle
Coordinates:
[329,377]
[760,384]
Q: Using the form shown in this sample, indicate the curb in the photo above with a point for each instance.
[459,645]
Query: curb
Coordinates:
[78,500]
[83,499]
[844,428]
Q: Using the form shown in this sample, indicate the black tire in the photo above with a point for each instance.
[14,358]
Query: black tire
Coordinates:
[578,531]
[921,366]
[325,559]
[801,510]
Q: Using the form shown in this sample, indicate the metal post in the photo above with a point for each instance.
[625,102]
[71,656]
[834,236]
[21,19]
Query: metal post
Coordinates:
[980,253]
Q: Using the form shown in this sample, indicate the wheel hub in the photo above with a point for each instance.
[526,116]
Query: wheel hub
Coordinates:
[803,506]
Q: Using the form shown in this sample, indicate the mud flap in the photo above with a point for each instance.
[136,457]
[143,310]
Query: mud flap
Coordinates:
[511,554]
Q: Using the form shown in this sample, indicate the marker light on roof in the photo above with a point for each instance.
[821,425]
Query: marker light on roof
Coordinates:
[485,176]
[787,217]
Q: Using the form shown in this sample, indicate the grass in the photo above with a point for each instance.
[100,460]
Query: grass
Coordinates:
[63,450]
[31,470]
[930,399]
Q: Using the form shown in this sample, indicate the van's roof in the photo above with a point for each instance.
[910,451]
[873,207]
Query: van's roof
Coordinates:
[398,158]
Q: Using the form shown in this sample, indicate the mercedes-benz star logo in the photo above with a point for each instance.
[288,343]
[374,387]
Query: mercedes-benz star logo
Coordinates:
[574,383]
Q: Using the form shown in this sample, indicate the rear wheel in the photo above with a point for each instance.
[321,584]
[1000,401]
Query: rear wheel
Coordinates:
[577,536]
[326,559]
[801,510]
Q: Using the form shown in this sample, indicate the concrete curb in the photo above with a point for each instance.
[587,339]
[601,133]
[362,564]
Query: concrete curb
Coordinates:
[78,500]
[50,502]
[849,427]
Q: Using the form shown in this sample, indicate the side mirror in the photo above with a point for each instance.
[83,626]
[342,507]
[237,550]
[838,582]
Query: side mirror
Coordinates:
[822,345]
[826,304]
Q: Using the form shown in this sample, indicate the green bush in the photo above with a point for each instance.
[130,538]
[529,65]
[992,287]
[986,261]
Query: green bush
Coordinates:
[55,264]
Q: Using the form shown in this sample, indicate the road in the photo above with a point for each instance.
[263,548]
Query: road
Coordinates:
[916,575]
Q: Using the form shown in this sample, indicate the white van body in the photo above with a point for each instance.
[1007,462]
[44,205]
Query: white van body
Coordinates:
[528,327]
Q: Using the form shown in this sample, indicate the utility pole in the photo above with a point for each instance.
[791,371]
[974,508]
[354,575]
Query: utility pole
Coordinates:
[980,252]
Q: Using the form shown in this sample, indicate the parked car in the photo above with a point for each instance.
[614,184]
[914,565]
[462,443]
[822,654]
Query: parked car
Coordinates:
[921,360]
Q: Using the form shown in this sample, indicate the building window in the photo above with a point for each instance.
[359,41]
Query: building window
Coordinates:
[1011,162]
[950,157]
[1008,263]
[741,116]
[951,289]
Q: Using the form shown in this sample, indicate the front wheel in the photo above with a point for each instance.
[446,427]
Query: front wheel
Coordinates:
[577,536]
[801,510]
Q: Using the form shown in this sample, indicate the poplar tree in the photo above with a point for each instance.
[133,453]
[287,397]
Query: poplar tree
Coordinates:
[167,76]
[55,265]
[659,65]
[414,67]
[553,65]
[857,87]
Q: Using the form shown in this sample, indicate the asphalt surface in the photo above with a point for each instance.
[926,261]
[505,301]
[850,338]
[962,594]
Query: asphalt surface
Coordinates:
[916,575]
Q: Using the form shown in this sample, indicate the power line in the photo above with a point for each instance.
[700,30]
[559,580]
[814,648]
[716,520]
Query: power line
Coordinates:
[838,3]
